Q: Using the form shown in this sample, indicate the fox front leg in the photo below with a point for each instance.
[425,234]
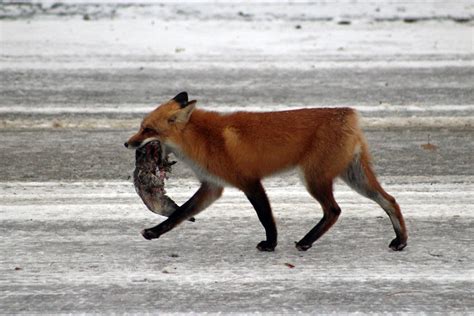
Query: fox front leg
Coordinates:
[207,194]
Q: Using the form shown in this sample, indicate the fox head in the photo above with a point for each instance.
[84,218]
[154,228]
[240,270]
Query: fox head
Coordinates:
[166,120]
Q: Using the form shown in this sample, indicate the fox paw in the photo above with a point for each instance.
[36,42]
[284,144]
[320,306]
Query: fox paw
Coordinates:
[266,246]
[397,245]
[149,234]
[302,247]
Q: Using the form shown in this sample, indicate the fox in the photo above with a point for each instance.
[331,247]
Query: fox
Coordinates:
[240,149]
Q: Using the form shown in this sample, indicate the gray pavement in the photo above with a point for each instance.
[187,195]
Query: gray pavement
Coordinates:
[240,85]
[71,155]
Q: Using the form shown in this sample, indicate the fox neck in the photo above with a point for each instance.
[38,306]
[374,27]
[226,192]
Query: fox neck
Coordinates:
[191,146]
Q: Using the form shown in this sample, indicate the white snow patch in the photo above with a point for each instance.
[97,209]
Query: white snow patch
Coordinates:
[141,109]
[235,43]
[102,62]
[117,200]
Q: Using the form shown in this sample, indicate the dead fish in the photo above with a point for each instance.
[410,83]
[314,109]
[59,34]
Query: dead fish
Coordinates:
[151,168]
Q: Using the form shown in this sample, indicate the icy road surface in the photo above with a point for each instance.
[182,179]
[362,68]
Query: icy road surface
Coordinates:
[76,247]
[76,79]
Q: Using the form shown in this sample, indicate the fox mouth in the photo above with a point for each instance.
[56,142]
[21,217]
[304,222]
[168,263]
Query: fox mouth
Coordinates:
[146,141]
[143,143]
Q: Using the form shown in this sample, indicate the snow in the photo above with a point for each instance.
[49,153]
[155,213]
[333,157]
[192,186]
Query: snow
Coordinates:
[73,240]
[382,10]
[228,41]
[140,109]
[60,201]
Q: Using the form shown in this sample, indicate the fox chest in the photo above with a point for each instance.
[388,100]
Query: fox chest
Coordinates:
[201,172]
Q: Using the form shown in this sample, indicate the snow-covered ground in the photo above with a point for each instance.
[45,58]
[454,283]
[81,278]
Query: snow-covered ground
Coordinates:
[76,77]
[421,196]
[192,43]
[342,10]
[75,247]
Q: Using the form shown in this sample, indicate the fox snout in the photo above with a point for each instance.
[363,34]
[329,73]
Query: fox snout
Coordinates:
[135,141]
[132,145]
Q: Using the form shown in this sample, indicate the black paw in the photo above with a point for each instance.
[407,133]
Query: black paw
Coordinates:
[302,247]
[266,246]
[149,234]
[397,245]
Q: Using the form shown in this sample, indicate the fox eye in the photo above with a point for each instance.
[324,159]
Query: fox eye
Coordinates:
[147,130]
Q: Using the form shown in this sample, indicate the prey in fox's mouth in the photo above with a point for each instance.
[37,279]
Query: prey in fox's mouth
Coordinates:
[151,168]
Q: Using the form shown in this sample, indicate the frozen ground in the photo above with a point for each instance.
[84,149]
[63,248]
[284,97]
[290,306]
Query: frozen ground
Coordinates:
[75,247]
[77,78]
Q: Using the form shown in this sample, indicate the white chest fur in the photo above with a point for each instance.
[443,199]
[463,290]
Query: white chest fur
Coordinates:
[201,172]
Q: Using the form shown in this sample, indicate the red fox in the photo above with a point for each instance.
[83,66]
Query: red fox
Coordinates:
[239,149]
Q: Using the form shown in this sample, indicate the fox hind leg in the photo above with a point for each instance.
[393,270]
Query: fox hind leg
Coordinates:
[323,193]
[360,177]
[259,200]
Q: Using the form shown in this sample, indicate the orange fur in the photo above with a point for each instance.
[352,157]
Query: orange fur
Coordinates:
[245,146]
[242,148]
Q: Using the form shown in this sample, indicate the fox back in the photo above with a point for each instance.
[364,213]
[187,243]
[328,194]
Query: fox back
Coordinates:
[252,145]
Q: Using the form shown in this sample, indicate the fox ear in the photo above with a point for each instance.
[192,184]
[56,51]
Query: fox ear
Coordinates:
[182,99]
[183,115]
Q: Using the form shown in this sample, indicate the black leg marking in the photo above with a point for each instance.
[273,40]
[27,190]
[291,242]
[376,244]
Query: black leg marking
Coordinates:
[322,192]
[397,245]
[257,196]
[205,196]
[329,218]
